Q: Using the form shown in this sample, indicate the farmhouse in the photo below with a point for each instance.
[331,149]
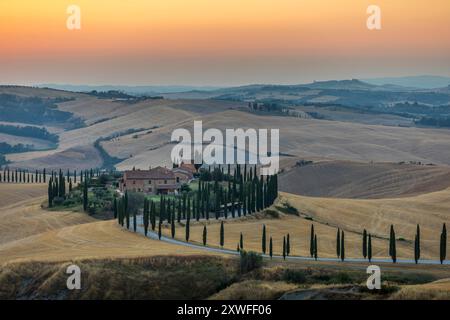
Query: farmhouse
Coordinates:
[158,180]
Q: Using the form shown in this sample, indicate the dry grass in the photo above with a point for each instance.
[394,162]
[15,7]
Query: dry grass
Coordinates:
[22,215]
[430,211]
[158,277]
[438,290]
[345,179]
[254,290]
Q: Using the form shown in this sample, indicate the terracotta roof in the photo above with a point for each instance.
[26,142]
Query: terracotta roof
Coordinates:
[188,166]
[155,173]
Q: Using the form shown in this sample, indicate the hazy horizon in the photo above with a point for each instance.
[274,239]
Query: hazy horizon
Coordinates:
[204,43]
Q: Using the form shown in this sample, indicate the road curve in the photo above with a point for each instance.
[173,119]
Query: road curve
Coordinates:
[154,235]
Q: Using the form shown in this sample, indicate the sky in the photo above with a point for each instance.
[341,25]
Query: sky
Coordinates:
[220,43]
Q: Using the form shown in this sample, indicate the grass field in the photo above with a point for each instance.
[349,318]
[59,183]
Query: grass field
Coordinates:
[352,216]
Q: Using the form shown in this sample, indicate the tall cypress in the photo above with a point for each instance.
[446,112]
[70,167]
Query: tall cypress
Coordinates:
[187,232]
[172,225]
[263,245]
[443,244]
[146,217]
[338,243]
[205,235]
[159,229]
[369,248]
[115,208]
[342,245]
[134,221]
[288,245]
[315,247]
[364,244]
[284,247]
[85,195]
[392,245]
[270,248]
[222,234]
[311,242]
[241,241]
[417,245]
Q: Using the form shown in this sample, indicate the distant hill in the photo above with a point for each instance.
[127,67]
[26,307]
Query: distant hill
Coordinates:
[134,90]
[422,82]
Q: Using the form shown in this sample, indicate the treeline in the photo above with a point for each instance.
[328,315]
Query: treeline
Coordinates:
[34,110]
[7,148]
[29,131]
[57,191]
[434,121]
[245,194]
[22,176]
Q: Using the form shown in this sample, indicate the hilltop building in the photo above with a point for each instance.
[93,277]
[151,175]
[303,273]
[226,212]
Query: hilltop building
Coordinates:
[158,180]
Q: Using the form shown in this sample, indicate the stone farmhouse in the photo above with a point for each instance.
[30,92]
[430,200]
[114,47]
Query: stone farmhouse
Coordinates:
[157,180]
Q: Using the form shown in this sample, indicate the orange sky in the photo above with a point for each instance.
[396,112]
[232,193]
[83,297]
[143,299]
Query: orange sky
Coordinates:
[220,42]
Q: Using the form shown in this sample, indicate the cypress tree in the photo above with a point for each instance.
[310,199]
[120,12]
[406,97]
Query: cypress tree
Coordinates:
[369,248]
[127,218]
[241,242]
[50,194]
[284,248]
[263,246]
[392,245]
[315,247]
[115,208]
[311,242]
[342,245]
[146,216]
[270,248]
[134,221]
[85,196]
[364,241]
[222,234]
[205,235]
[417,245]
[172,226]
[338,243]
[153,215]
[187,233]
[288,245]
[159,229]
[443,244]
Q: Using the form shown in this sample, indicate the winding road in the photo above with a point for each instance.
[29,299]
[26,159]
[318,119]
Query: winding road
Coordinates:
[154,235]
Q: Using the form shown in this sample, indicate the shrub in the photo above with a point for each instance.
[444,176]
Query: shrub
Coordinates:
[294,276]
[249,261]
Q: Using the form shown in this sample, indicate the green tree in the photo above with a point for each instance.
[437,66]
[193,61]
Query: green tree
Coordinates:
[241,242]
[443,244]
[369,248]
[342,245]
[134,221]
[417,245]
[311,241]
[222,234]
[270,248]
[264,239]
[315,247]
[85,196]
[205,235]
[284,247]
[364,244]
[392,245]
[288,245]
[159,229]
[187,232]
[338,243]
[172,226]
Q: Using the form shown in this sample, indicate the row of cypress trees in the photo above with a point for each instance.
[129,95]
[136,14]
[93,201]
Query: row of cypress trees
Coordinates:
[23,176]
